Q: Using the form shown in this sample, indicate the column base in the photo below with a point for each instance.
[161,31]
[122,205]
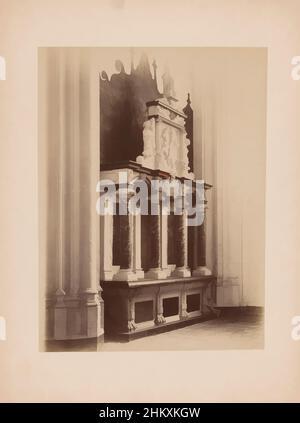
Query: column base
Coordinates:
[170,269]
[181,272]
[156,273]
[139,273]
[125,275]
[74,344]
[79,317]
[91,313]
[108,275]
[202,271]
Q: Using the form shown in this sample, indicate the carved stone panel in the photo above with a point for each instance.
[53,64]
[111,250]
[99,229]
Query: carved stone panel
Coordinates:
[165,140]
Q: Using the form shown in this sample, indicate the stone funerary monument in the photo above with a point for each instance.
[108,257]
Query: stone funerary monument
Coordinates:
[153,269]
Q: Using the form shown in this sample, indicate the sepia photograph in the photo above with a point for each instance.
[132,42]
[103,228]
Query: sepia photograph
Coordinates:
[150,204]
[152,196]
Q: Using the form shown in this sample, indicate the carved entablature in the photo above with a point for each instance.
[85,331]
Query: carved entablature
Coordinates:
[165,140]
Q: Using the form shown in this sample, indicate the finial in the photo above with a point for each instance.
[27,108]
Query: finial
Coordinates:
[131,60]
[154,65]
[168,85]
[144,65]
[187,109]
[119,66]
[104,76]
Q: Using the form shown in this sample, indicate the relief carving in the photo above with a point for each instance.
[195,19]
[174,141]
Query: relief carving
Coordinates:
[166,143]
[148,156]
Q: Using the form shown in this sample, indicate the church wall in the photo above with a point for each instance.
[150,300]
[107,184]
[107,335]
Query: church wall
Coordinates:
[229,101]
[68,174]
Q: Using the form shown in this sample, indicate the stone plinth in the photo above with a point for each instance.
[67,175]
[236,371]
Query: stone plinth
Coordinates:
[137,309]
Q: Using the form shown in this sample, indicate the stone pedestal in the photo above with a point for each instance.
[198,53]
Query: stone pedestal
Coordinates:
[122,321]
[91,304]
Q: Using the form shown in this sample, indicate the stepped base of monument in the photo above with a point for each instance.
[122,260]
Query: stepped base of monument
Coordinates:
[155,330]
[146,307]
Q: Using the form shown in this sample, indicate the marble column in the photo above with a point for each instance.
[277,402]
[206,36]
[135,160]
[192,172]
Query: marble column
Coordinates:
[192,247]
[181,240]
[201,269]
[156,271]
[126,272]
[154,259]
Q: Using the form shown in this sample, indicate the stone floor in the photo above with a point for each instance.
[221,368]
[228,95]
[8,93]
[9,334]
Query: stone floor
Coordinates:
[234,329]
